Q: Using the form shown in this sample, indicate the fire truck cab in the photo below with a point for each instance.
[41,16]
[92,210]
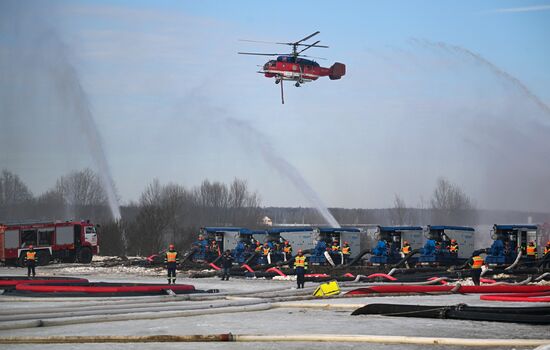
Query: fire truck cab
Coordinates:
[69,241]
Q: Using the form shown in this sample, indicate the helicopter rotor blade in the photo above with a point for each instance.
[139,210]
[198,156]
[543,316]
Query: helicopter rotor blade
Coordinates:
[308,47]
[264,42]
[260,54]
[307,37]
[317,58]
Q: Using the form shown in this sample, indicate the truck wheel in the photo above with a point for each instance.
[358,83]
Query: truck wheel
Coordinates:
[85,255]
[43,258]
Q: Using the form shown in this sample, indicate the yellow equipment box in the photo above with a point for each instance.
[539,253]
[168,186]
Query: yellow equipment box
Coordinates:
[326,289]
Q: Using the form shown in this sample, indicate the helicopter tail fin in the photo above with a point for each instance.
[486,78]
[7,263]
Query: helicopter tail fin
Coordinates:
[337,71]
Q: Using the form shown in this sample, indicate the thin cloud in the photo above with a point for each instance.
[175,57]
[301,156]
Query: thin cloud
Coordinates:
[522,9]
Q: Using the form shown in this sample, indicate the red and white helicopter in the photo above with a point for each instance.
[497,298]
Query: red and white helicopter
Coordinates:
[295,68]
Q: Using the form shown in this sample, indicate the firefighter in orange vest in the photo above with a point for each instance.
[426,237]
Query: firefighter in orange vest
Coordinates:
[266,253]
[406,248]
[346,252]
[531,250]
[30,261]
[476,264]
[287,250]
[171,259]
[300,267]
[258,248]
[453,248]
[266,250]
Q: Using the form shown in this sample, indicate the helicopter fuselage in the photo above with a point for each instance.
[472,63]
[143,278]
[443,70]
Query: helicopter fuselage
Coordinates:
[289,68]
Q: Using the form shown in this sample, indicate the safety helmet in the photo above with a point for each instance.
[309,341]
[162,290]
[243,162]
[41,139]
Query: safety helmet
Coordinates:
[345,242]
[453,240]
[258,243]
[405,242]
[300,251]
[532,242]
[265,244]
[548,242]
[171,246]
[31,246]
[335,241]
[286,242]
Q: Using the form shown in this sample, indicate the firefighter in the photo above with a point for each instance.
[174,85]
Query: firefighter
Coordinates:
[171,260]
[266,253]
[215,248]
[476,264]
[287,250]
[30,261]
[453,248]
[406,248]
[531,250]
[227,263]
[346,252]
[335,248]
[547,248]
[258,248]
[300,267]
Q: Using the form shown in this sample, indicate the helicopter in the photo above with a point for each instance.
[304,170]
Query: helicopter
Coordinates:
[294,67]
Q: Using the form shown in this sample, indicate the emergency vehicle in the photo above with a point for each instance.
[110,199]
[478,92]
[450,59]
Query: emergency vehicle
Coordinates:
[67,241]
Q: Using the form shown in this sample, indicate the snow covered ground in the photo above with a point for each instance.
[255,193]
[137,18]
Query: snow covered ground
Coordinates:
[274,321]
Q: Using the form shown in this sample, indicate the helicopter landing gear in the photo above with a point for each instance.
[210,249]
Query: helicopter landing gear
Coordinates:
[277,81]
[297,84]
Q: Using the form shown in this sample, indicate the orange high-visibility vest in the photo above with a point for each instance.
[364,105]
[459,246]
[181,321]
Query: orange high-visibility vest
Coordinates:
[478,262]
[266,251]
[335,248]
[300,261]
[171,257]
[453,248]
[547,249]
[346,250]
[287,249]
[531,250]
[406,249]
[31,255]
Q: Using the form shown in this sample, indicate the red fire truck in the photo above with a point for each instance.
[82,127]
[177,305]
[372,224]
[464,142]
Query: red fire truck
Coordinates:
[69,241]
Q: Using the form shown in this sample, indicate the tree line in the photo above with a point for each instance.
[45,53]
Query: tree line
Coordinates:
[172,213]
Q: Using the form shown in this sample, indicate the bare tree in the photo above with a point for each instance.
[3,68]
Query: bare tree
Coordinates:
[12,190]
[451,206]
[51,205]
[399,213]
[82,188]
[147,235]
[16,199]
[83,193]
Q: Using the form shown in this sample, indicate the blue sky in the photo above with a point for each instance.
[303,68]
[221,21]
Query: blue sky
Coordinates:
[163,82]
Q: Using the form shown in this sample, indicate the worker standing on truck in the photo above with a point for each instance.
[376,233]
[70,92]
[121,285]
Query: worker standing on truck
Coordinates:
[171,259]
[346,252]
[287,250]
[30,261]
[531,250]
[476,264]
[453,248]
[300,267]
